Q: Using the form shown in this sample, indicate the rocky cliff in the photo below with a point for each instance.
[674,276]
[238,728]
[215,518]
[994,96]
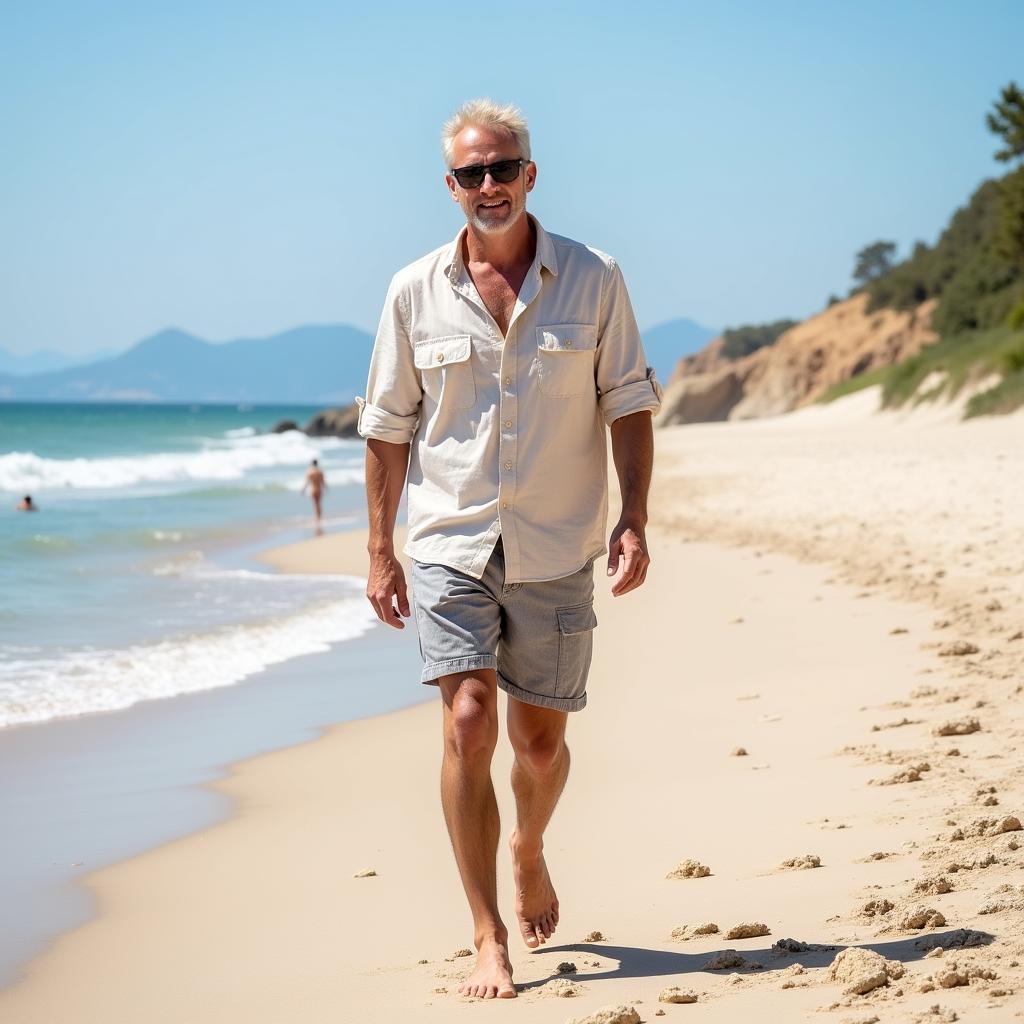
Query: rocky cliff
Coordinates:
[802,365]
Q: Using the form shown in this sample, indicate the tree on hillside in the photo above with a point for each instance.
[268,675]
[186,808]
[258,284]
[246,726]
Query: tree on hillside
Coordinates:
[874,261]
[1007,122]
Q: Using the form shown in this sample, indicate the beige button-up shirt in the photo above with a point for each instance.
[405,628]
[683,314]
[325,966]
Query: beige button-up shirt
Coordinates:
[508,433]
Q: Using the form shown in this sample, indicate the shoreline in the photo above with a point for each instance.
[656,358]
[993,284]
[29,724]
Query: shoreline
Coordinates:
[833,684]
[94,790]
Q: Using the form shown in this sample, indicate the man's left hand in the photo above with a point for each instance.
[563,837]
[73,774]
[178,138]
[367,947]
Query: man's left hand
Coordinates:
[628,543]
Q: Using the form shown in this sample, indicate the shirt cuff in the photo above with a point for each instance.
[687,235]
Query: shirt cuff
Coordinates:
[630,398]
[383,425]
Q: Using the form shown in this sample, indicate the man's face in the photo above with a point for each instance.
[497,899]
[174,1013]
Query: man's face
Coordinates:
[491,208]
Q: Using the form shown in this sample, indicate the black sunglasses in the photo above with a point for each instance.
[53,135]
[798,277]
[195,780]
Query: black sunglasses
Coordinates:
[504,171]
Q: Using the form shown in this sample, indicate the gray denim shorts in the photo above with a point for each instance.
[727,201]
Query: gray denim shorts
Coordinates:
[538,636]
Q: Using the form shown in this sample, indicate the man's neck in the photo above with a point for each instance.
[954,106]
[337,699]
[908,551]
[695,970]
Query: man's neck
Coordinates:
[513,248]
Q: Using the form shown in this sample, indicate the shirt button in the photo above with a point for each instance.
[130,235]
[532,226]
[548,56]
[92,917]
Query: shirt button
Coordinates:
[508,465]
[504,504]
[568,344]
[508,423]
[440,357]
[508,380]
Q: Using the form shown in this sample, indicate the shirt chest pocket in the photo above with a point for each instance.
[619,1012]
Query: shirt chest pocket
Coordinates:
[565,360]
[446,369]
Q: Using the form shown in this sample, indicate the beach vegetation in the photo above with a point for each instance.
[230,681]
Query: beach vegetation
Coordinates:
[969,358]
[975,274]
[859,382]
[741,341]
[874,261]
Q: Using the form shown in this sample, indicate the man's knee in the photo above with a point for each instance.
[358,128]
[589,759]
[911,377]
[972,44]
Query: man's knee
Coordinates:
[539,753]
[471,721]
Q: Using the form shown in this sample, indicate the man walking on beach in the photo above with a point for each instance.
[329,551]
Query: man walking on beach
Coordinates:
[499,362]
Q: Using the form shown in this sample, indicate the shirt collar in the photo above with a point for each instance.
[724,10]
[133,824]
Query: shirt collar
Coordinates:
[454,265]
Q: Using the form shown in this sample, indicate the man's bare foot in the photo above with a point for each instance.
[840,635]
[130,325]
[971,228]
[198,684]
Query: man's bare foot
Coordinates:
[536,902]
[492,976]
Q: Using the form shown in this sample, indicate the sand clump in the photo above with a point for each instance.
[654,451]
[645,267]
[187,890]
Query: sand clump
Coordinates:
[958,727]
[689,869]
[920,918]
[1006,897]
[912,773]
[808,860]
[365,873]
[895,725]
[750,930]
[594,936]
[987,827]
[877,907]
[561,988]
[783,946]
[934,886]
[684,934]
[952,975]
[726,959]
[621,1014]
[790,974]
[675,994]
[961,938]
[958,649]
[860,971]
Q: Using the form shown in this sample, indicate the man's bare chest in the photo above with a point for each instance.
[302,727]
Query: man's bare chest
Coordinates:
[499,293]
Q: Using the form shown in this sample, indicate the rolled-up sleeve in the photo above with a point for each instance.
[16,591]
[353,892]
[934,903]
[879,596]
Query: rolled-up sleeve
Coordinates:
[625,383]
[391,409]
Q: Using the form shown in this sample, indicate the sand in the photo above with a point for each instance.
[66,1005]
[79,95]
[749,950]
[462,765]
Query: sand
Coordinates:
[808,572]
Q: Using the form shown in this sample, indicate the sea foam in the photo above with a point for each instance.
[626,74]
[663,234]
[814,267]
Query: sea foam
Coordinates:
[27,472]
[84,681]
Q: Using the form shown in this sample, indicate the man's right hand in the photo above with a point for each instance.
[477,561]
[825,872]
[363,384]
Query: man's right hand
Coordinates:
[384,586]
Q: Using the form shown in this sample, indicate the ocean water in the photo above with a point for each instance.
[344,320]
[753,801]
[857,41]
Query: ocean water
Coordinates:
[135,579]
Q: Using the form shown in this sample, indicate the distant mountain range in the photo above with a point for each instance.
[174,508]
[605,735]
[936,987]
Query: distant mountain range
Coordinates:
[314,365]
[665,344]
[46,360]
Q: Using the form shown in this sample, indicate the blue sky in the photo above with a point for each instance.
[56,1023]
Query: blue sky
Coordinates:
[235,169]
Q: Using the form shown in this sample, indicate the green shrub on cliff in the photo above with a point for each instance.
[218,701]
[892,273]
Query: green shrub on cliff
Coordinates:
[741,341]
[976,273]
[968,271]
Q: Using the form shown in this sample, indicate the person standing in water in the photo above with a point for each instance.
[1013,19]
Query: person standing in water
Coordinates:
[317,484]
[27,505]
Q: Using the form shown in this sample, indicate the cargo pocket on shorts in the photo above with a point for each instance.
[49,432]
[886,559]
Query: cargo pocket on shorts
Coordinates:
[575,646]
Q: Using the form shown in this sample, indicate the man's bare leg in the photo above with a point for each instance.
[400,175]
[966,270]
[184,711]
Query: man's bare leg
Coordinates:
[471,813]
[539,772]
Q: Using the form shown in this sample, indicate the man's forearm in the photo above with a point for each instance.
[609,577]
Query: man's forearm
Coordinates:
[386,467]
[633,454]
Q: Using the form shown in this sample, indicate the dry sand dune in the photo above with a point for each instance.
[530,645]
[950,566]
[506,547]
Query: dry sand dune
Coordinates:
[839,595]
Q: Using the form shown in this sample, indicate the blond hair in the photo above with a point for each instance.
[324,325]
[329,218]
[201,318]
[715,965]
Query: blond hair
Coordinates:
[485,113]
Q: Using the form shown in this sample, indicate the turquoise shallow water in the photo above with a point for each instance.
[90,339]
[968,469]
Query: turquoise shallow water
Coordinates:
[132,581]
[135,581]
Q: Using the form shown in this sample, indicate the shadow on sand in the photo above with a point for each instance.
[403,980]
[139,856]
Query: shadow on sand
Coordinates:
[636,962]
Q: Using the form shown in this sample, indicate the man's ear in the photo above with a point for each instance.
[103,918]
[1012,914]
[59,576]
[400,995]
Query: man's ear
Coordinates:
[531,176]
[452,187]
